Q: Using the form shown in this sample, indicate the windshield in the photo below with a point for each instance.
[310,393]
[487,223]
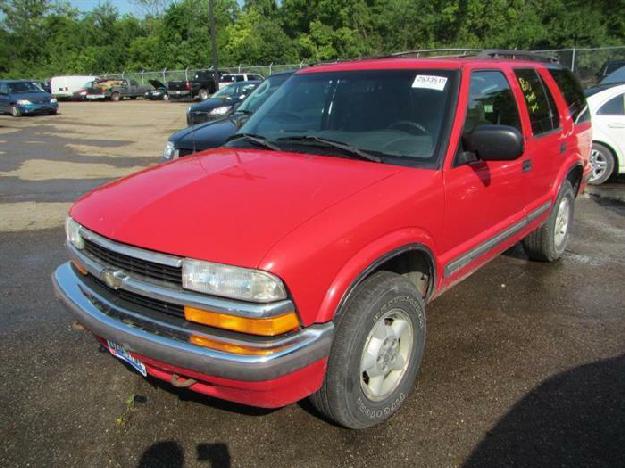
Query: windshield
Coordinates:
[226,92]
[262,93]
[617,76]
[399,115]
[24,87]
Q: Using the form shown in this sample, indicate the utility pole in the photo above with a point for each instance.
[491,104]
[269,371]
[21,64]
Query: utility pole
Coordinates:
[213,33]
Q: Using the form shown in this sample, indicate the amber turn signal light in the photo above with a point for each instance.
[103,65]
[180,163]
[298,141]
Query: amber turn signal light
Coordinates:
[270,326]
[230,347]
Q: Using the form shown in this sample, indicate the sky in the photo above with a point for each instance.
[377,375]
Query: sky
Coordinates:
[122,6]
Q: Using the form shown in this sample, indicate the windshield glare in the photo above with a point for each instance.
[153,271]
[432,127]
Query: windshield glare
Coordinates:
[24,87]
[400,114]
[261,94]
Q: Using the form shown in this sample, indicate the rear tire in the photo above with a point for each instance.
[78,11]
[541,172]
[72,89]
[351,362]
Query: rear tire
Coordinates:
[548,243]
[376,354]
[115,96]
[602,162]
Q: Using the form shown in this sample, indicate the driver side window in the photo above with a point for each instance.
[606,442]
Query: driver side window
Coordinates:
[491,101]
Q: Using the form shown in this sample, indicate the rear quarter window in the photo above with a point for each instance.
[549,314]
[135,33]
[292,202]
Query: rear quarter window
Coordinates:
[615,106]
[539,101]
[573,94]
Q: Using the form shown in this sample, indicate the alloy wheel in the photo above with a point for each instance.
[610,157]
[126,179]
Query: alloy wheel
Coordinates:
[386,355]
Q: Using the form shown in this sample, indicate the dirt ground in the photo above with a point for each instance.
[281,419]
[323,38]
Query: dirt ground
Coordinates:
[524,361]
[86,144]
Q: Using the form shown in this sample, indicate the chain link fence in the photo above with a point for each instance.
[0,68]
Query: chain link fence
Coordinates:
[585,62]
[166,75]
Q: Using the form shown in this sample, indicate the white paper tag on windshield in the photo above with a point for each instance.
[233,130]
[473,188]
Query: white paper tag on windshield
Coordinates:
[434,82]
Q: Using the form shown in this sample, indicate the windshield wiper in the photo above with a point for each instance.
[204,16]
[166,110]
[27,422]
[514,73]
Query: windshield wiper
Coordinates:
[258,140]
[328,143]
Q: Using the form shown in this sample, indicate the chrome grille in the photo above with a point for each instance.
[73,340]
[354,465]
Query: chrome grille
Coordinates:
[130,264]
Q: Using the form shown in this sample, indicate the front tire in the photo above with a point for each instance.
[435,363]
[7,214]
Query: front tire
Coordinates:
[548,243]
[602,163]
[376,354]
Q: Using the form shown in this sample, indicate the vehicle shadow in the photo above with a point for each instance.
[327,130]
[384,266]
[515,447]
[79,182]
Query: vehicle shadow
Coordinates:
[576,418]
[170,454]
[188,395]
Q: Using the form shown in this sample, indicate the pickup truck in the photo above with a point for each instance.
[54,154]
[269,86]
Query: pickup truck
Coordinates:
[115,90]
[298,259]
[202,85]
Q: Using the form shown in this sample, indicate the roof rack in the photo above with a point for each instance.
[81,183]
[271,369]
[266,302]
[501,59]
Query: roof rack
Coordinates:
[517,55]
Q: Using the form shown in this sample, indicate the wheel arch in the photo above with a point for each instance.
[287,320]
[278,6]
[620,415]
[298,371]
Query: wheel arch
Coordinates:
[409,260]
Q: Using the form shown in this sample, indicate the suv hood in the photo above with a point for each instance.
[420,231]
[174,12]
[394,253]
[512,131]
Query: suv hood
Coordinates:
[228,206]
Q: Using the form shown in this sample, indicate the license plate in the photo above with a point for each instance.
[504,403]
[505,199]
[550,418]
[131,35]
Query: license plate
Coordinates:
[120,353]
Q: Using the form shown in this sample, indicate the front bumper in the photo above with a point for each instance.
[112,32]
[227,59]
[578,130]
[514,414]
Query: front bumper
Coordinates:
[177,94]
[32,109]
[168,343]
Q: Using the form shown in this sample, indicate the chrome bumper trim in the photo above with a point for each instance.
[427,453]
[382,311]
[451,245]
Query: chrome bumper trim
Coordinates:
[176,295]
[96,313]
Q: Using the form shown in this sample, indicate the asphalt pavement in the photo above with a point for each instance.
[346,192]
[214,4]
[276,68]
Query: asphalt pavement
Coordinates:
[524,366]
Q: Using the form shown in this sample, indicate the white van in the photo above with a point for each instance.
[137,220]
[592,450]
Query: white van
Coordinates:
[64,87]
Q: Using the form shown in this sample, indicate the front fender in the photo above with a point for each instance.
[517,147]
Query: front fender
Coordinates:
[367,259]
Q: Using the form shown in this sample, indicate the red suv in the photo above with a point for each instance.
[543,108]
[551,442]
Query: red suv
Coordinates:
[298,259]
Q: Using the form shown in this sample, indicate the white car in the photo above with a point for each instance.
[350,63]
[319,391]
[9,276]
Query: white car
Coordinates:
[608,133]
[229,78]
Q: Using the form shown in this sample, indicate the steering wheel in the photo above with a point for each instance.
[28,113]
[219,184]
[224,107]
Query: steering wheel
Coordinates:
[409,127]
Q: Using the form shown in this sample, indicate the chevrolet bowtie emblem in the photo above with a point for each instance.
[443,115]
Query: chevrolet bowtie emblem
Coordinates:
[113,278]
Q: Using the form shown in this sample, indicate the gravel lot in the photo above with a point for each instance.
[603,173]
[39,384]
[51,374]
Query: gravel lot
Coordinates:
[525,362]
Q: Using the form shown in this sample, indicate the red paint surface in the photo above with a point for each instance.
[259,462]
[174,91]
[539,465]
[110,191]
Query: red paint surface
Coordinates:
[318,222]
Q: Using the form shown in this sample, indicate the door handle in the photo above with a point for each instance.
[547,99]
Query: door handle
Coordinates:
[527,165]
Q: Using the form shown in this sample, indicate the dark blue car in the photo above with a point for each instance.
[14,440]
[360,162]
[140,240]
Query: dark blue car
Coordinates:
[19,97]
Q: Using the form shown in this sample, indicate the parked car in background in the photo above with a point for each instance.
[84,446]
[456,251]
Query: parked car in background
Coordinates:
[609,67]
[202,85]
[298,259]
[158,93]
[221,103]
[227,78]
[608,133]
[116,90]
[64,87]
[19,98]
[215,133]
[615,78]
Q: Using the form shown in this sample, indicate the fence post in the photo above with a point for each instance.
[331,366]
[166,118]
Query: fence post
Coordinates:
[186,74]
[573,60]
[142,71]
[239,68]
[270,67]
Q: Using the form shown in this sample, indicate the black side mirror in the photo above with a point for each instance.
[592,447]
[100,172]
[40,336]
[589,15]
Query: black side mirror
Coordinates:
[494,142]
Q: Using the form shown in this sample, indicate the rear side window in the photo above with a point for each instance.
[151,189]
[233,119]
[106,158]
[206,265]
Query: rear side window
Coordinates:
[615,106]
[539,101]
[491,101]
[573,93]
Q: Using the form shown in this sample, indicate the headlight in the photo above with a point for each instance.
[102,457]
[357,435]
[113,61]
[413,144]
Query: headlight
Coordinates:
[72,229]
[170,152]
[53,101]
[230,281]
[23,102]
[220,110]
